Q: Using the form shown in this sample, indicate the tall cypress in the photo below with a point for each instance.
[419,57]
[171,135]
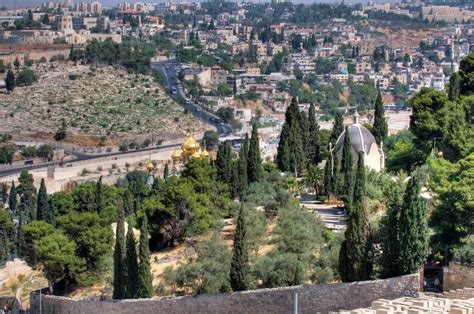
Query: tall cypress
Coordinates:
[338,127]
[454,89]
[239,266]
[13,199]
[335,176]
[166,172]
[304,138]
[145,287]
[10,81]
[99,196]
[130,269]
[413,226]
[347,167]
[314,141]
[380,128]
[44,211]
[327,177]
[254,159]
[354,252]
[119,253]
[224,163]
[242,165]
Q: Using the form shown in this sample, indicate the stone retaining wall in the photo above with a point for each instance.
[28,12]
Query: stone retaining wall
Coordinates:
[311,299]
[458,276]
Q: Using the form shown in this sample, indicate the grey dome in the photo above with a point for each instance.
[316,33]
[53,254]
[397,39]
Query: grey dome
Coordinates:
[361,140]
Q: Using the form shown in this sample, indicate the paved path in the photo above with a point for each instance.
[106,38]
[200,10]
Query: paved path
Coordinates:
[331,215]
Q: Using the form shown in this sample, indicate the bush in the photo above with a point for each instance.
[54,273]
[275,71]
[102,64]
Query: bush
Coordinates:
[25,77]
[74,76]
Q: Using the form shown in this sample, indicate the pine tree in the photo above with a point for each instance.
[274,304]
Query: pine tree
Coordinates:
[454,87]
[338,127]
[43,209]
[224,163]
[130,266]
[99,196]
[239,266]
[413,226]
[119,253]
[254,159]
[353,254]
[13,199]
[314,141]
[166,172]
[347,168]
[380,128]
[145,287]
[10,81]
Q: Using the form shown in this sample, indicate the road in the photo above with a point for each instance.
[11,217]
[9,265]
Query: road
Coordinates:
[169,70]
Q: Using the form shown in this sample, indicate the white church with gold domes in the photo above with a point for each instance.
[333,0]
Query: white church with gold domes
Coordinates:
[189,149]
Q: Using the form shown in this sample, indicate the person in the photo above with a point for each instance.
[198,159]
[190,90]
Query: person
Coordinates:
[436,283]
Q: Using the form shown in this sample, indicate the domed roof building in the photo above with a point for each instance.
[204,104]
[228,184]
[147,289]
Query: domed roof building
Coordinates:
[362,140]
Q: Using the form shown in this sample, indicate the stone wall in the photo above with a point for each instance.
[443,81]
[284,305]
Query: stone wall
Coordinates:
[311,299]
[457,276]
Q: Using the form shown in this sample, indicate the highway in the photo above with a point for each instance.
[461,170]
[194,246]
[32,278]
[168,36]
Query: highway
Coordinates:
[169,70]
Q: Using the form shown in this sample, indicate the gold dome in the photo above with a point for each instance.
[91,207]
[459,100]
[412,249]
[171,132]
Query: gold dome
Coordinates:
[150,166]
[190,146]
[204,154]
[176,155]
[196,155]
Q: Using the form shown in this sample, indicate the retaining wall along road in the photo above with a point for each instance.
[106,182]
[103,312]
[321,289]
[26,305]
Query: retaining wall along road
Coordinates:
[311,299]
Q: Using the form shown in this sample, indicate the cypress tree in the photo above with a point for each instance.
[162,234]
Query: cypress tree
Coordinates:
[10,81]
[454,86]
[145,287]
[130,269]
[353,254]
[304,137]
[119,253]
[99,196]
[347,167]
[224,163]
[127,200]
[20,240]
[166,172]
[239,266]
[413,226]
[338,127]
[242,165]
[335,176]
[254,159]
[314,141]
[327,177]
[43,209]
[13,199]
[380,128]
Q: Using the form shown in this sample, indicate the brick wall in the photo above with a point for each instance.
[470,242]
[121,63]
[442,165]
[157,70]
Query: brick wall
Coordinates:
[457,276]
[311,299]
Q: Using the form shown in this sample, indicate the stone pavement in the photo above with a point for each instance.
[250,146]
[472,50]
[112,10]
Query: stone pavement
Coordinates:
[332,215]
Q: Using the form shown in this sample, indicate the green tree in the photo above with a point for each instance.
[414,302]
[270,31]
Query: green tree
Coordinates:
[242,165]
[7,234]
[380,128]
[224,163]
[314,178]
[10,81]
[353,262]
[27,192]
[254,159]
[30,234]
[466,73]
[44,211]
[454,88]
[130,269]
[239,266]
[338,126]
[57,257]
[13,199]
[99,196]
[166,171]
[347,168]
[413,226]
[145,287]
[314,141]
[61,203]
[119,253]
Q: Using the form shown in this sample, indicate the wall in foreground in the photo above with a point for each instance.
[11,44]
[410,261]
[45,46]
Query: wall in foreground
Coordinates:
[458,276]
[311,299]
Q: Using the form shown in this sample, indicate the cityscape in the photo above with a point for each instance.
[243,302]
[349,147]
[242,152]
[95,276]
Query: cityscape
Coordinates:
[237,157]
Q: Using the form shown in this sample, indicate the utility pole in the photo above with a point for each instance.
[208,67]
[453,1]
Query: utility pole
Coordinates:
[296,304]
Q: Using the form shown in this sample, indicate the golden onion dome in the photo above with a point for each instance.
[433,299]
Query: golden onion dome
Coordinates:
[190,146]
[196,155]
[204,154]
[150,166]
[176,155]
